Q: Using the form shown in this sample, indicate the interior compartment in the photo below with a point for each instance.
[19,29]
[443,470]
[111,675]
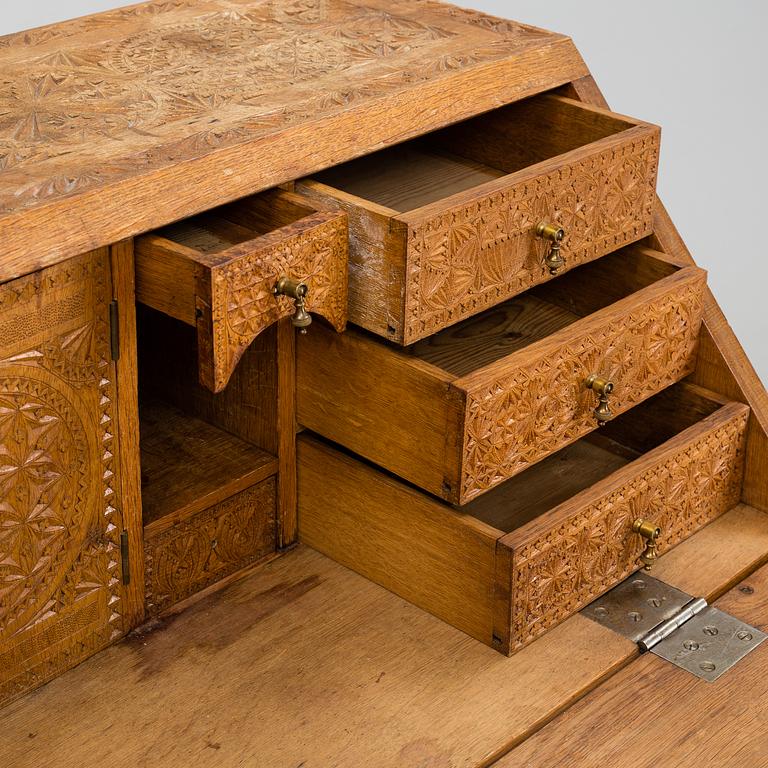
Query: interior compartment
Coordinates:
[541,311]
[468,154]
[593,458]
[198,448]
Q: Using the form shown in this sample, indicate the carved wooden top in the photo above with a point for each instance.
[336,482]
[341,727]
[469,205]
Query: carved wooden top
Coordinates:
[116,123]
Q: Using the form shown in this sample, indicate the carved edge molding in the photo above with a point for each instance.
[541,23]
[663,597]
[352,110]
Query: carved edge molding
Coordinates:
[242,304]
[559,573]
[516,419]
[475,255]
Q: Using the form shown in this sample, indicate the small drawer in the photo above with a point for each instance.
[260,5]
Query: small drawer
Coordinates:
[477,403]
[445,226]
[519,560]
[209,504]
[218,271]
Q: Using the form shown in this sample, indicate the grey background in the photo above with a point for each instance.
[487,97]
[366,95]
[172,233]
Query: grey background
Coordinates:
[698,69]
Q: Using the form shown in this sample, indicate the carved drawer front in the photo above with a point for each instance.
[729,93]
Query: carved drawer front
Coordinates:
[519,560]
[448,225]
[219,271]
[477,403]
[208,501]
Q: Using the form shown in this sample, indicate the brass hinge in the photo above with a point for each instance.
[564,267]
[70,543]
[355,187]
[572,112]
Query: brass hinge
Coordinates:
[676,626]
[125,561]
[114,330]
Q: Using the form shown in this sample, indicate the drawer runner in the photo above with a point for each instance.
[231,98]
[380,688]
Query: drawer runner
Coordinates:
[682,629]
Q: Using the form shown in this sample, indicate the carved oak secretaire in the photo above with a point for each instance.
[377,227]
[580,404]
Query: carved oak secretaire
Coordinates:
[389,278]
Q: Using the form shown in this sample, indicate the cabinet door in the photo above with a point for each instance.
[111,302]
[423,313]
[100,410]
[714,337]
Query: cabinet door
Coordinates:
[61,592]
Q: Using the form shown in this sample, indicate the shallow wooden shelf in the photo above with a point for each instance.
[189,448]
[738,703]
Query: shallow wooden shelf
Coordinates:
[188,464]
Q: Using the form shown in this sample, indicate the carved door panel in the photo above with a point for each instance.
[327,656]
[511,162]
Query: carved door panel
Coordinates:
[60,518]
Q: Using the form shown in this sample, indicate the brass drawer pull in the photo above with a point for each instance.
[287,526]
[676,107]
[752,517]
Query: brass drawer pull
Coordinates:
[650,532]
[603,388]
[554,259]
[298,291]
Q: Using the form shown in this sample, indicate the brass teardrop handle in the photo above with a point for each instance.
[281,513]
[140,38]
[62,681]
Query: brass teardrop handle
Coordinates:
[297,291]
[554,259]
[650,532]
[603,388]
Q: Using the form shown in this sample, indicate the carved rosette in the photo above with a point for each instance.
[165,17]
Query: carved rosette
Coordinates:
[517,418]
[313,250]
[60,591]
[556,574]
[215,543]
[475,255]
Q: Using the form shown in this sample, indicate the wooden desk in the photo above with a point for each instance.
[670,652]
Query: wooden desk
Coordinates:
[304,663]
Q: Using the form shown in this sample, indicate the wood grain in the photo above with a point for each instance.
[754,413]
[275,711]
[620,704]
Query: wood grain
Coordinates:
[469,247]
[508,589]
[722,364]
[217,271]
[304,661]
[685,722]
[188,465]
[460,436]
[188,95]
[122,265]
[61,508]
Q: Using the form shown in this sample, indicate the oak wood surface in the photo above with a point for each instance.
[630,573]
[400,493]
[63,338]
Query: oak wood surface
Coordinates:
[459,436]
[217,271]
[180,97]
[63,592]
[507,586]
[471,241]
[188,465]
[652,713]
[126,366]
[305,661]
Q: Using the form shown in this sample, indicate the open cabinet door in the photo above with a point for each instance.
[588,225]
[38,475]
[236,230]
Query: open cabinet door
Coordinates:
[61,573]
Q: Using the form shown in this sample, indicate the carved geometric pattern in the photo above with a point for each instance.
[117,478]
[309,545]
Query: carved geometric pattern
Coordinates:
[215,543]
[95,100]
[314,250]
[523,413]
[475,255]
[556,574]
[60,587]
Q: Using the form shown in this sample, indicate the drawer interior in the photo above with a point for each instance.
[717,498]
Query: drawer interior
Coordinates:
[587,461]
[532,316]
[222,228]
[468,154]
[198,448]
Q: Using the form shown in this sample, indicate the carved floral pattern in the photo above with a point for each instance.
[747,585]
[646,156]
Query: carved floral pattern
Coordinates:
[474,255]
[60,591]
[166,79]
[200,551]
[556,574]
[528,411]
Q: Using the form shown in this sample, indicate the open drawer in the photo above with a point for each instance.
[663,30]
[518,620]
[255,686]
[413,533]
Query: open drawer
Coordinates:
[218,271]
[481,401]
[520,559]
[445,226]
